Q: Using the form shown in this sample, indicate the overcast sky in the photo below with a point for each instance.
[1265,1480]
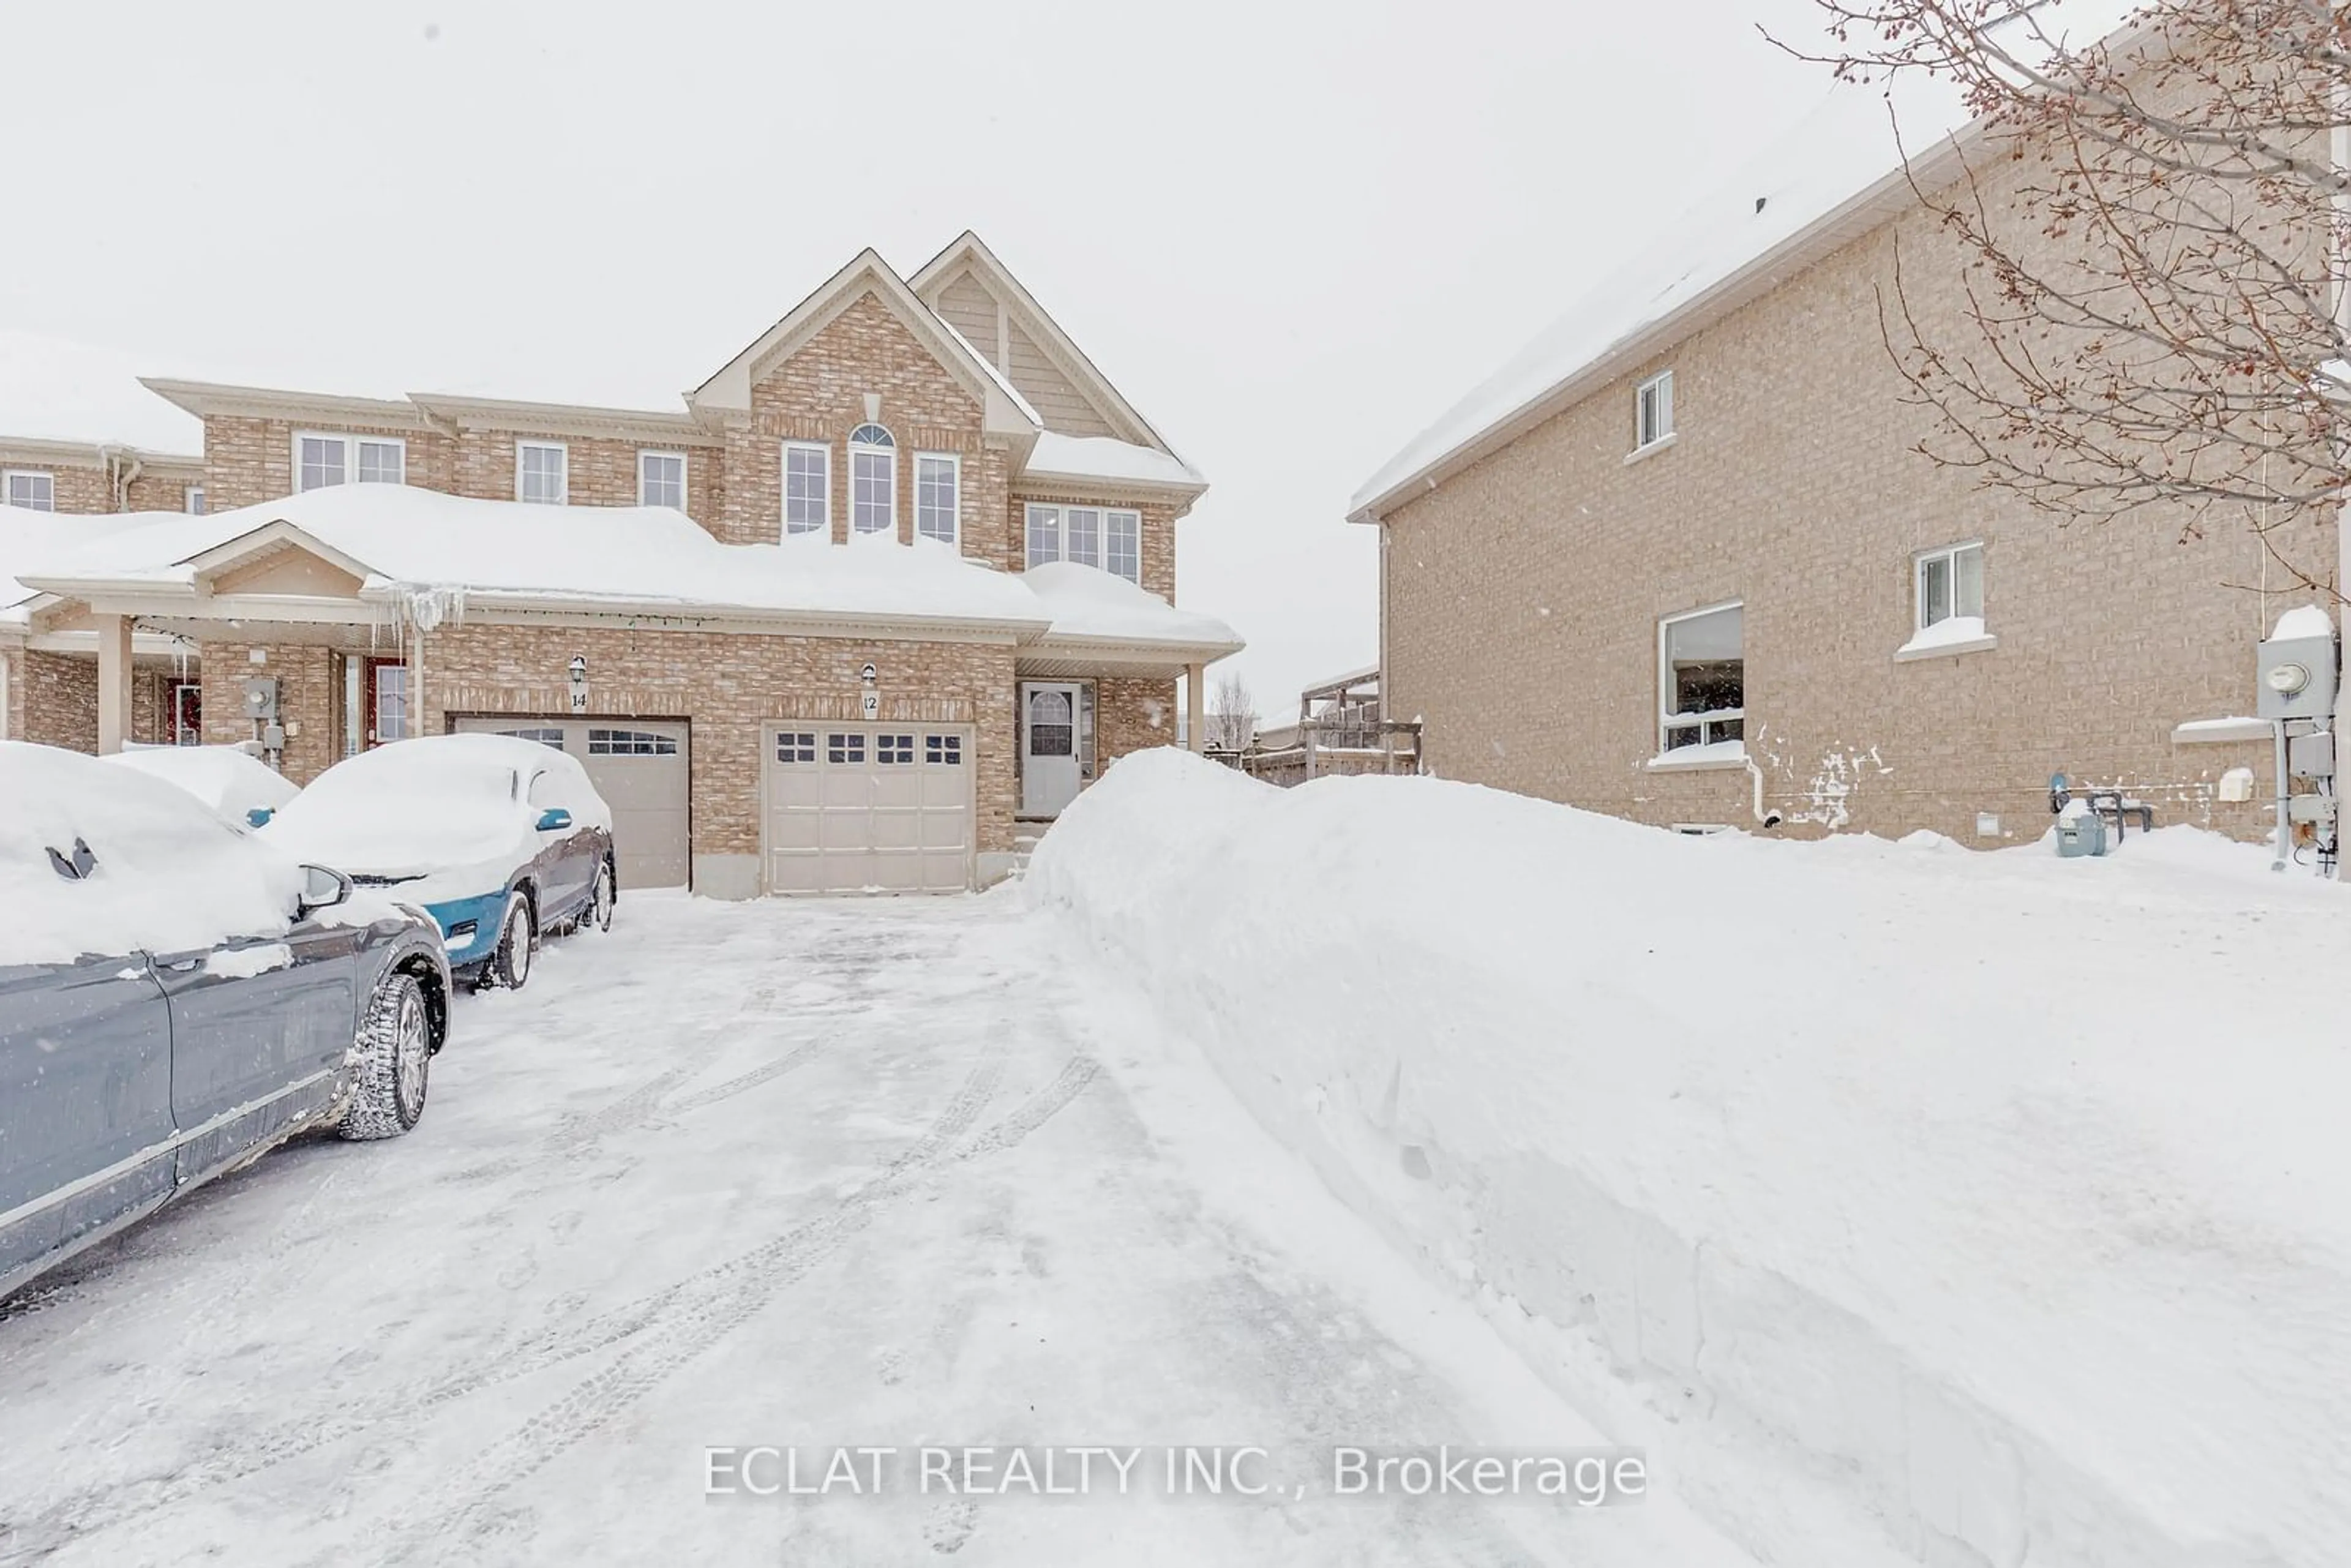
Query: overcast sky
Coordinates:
[1290,233]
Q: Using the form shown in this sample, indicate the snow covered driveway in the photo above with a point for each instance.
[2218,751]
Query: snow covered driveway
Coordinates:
[807,1175]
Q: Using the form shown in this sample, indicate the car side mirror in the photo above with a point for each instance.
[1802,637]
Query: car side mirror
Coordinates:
[555,818]
[322,889]
[259,817]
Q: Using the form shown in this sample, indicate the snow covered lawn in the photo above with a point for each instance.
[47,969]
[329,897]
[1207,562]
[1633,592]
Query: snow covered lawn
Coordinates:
[1987,1208]
[790,1174]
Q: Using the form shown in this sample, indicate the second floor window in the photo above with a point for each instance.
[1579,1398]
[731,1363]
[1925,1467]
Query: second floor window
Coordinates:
[541,473]
[808,488]
[194,500]
[937,495]
[873,480]
[320,460]
[661,479]
[1091,535]
[32,489]
[1950,583]
[1653,410]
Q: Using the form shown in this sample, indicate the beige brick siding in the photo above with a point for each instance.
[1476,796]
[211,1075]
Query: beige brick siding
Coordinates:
[309,701]
[819,394]
[1131,716]
[1522,596]
[56,700]
[730,687]
[252,460]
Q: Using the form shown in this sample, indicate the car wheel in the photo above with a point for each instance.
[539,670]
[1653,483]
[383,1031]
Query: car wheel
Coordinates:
[394,1063]
[599,903]
[509,963]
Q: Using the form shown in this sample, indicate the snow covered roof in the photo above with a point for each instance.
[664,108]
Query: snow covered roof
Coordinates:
[28,536]
[1088,605]
[1107,457]
[413,548]
[1836,174]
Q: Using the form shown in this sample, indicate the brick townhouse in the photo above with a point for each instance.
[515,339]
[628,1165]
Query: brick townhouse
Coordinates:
[1682,560]
[896,580]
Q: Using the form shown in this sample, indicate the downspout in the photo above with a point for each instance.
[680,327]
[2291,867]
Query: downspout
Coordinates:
[2340,139]
[1755,774]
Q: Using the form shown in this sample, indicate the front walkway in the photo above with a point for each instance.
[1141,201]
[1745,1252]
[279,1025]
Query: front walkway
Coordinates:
[789,1174]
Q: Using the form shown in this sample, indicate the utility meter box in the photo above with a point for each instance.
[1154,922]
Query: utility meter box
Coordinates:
[261,697]
[2081,834]
[2296,677]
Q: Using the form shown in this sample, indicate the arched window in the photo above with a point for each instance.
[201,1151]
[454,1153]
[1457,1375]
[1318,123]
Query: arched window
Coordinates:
[873,480]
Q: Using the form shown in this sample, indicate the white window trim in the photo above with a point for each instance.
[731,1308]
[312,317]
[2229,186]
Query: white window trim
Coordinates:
[1061,510]
[784,495]
[351,440]
[563,495]
[685,483]
[1663,380]
[1918,621]
[953,460]
[1665,760]
[891,451]
[192,494]
[8,479]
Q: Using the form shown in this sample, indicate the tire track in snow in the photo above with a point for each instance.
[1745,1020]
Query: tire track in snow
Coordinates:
[745,1285]
[768,1266]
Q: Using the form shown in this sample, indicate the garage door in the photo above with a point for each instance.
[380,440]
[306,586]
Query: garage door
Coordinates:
[640,766]
[868,809]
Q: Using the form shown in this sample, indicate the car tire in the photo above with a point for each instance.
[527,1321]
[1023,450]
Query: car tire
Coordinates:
[509,963]
[392,1064]
[598,915]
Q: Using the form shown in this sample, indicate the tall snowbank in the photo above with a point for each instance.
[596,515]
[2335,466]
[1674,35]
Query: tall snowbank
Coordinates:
[1998,1199]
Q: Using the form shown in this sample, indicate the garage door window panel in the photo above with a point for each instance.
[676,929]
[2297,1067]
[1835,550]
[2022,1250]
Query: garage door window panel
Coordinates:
[630,743]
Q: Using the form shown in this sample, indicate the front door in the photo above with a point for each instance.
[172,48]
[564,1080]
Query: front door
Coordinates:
[1048,748]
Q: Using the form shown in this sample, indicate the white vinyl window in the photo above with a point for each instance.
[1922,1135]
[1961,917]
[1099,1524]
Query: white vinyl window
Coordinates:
[1950,583]
[938,495]
[808,488]
[661,479]
[1702,678]
[32,489]
[1653,410]
[322,459]
[1091,535]
[873,480]
[542,472]
[194,500]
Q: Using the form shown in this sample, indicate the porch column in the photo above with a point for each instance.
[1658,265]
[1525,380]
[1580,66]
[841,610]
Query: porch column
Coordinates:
[114,682]
[1196,705]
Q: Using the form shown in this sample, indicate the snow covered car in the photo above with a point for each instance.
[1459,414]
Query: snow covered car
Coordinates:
[229,779]
[501,839]
[176,996]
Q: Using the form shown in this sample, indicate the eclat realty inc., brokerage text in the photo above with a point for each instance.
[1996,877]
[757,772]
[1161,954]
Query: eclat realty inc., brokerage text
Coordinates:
[1583,1477]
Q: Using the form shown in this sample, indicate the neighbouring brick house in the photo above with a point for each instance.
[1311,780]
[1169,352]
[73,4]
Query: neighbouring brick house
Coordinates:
[1682,560]
[925,593]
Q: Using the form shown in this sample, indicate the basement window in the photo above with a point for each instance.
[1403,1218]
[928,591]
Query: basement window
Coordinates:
[32,489]
[1702,679]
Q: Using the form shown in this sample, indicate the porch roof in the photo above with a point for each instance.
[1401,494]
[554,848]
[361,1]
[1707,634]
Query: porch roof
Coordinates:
[406,554]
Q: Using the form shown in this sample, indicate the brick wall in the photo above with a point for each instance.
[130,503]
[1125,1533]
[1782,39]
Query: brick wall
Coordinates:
[1131,716]
[1522,596]
[819,394]
[252,460]
[731,685]
[55,696]
[307,699]
[160,494]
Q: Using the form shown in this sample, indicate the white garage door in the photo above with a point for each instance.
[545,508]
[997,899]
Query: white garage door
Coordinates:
[641,768]
[868,809]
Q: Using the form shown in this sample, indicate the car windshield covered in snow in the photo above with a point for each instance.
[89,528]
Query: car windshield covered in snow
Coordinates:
[101,860]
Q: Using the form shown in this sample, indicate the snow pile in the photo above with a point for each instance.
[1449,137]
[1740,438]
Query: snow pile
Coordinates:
[225,778]
[163,873]
[1088,603]
[1952,631]
[1997,1198]
[2303,620]
[441,816]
